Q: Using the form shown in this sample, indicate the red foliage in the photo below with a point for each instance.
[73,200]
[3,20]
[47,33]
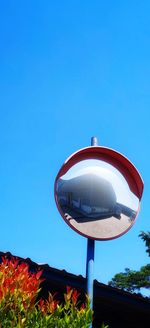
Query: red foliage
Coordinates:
[16,280]
[48,306]
[19,286]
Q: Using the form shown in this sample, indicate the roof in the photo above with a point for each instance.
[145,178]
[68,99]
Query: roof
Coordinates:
[118,308]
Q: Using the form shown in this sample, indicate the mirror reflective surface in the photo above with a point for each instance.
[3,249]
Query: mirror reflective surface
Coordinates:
[95,199]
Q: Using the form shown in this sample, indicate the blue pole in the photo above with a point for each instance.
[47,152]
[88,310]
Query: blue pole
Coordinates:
[90,269]
[90,256]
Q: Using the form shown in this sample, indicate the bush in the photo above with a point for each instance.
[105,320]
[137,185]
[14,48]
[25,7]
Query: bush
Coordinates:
[19,307]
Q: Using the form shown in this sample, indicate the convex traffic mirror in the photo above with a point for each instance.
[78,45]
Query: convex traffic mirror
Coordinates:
[98,193]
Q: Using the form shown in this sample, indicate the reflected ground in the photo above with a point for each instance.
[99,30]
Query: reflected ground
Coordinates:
[101,229]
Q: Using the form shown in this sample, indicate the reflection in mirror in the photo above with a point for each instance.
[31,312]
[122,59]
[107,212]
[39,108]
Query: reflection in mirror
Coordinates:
[96,200]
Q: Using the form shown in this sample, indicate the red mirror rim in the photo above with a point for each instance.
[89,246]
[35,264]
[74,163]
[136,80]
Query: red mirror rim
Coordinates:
[112,157]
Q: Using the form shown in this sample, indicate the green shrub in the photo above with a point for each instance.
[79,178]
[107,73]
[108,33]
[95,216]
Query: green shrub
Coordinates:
[19,307]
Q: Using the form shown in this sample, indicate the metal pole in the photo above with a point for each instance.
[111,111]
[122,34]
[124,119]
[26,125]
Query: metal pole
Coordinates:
[90,269]
[90,256]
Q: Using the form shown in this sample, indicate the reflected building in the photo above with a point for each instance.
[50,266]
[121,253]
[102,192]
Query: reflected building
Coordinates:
[90,197]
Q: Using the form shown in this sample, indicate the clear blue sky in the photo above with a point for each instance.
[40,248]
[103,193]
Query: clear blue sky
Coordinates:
[70,70]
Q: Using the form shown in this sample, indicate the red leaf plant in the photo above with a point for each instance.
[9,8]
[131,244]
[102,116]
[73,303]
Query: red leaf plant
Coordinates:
[17,284]
[19,289]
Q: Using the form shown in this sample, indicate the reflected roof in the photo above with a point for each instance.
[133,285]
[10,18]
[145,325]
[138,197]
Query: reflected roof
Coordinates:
[89,186]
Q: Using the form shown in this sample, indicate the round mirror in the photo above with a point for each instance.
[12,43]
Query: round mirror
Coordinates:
[95,198]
